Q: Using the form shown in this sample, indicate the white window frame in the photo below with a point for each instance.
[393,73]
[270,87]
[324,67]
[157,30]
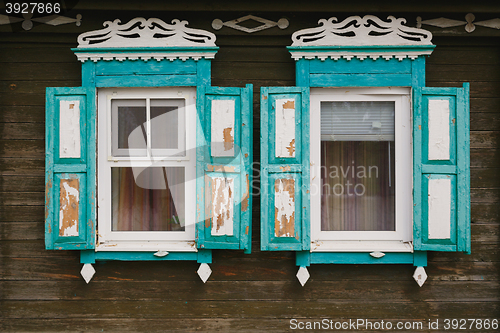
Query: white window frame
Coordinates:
[362,241]
[108,240]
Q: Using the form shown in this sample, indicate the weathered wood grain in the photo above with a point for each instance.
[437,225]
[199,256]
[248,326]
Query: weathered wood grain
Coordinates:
[22,166]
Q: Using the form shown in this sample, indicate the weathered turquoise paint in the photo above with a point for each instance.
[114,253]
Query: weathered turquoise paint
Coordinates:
[82,168]
[90,256]
[306,258]
[237,168]
[296,167]
[457,169]
[313,72]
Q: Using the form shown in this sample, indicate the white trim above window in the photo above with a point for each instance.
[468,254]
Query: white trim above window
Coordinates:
[355,241]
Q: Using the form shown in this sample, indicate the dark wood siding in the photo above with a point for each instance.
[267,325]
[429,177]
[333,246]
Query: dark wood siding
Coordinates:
[43,291]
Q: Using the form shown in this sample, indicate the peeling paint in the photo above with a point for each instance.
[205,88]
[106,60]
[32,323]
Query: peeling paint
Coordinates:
[244,201]
[69,127]
[284,206]
[228,139]
[220,168]
[246,230]
[285,168]
[222,127]
[69,207]
[48,187]
[222,206]
[285,128]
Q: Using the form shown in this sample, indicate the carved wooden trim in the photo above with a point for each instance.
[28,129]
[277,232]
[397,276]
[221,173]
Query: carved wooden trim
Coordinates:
[361,31]
[234,24]
[443,22]
[140,32]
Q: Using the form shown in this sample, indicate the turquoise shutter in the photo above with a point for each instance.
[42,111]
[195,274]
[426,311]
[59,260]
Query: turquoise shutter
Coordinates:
[70,168]
[285,168]
[223,174]
[441,169]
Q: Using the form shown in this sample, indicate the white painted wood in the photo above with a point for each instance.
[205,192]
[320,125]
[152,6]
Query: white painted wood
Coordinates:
[361,246]
[55,20]
[439,200]
[69,127]
[161,254]
[145,56]
[443,22]
[222,206]
[222,127]
[420,276]
[439,129]
[284,206]
[365,241]
[285,128]
[494,23]
[303,275]
[348,55]
[217,24]
[108,240]
[69,206]
[357,31]
[87,272]
[140,32]
[377,254]
[204,272]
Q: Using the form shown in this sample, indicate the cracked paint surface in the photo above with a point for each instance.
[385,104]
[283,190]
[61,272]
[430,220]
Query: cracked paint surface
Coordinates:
[222,127]
[284,207]
[222,206]
[69,125]
[439,129]
[285,128]
[69,206]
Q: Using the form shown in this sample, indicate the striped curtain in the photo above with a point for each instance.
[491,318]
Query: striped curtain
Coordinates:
[148,199]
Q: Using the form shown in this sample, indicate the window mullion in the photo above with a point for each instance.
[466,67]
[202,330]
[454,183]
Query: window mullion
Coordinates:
[148,127]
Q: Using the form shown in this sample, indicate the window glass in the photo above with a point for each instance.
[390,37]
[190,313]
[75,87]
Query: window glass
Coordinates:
[148,199]
[357,166]
[128,118]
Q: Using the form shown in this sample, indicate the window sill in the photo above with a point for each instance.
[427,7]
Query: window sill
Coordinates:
[169,246]
[361,246]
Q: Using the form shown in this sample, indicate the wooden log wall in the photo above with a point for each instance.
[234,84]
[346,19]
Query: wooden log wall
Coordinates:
[42,290]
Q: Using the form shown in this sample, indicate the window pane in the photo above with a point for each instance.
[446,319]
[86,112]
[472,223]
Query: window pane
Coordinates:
[148,199]
[357,166]
[167,122]
[128,118]
[358,186]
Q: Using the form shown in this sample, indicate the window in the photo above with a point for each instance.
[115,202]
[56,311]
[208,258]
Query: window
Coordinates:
[146,168]
[361,173]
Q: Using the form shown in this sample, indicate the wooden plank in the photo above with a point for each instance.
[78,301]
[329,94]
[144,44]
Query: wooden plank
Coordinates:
[464,55]
[48,72]
[485,212]
[22,166]
[32,86]
[471,72]
[484,158]
[276,309]
[34,53]
[22,113]
[485,177]
[22,184]
[22,198]
[22,214]
[485,195]
[483,121]
[22,231]
[226,291]
[484,139]
[22,148]
[24,131]
[23,99]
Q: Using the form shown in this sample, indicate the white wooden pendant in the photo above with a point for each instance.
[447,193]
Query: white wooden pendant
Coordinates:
[204,272]
[87,272]
[303,275]
[420,275]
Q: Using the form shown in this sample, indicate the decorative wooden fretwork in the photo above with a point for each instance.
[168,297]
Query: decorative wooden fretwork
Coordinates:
[469,23]
[217,24]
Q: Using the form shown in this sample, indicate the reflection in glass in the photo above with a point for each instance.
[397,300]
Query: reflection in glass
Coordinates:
[148,199]
[357,166]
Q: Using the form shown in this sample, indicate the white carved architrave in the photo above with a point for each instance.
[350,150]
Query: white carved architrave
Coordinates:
[151,39]
[361,37]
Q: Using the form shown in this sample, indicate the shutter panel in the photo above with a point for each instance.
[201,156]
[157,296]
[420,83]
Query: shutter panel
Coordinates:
[223,174]
[285,168]
[441,169]
[70,168]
